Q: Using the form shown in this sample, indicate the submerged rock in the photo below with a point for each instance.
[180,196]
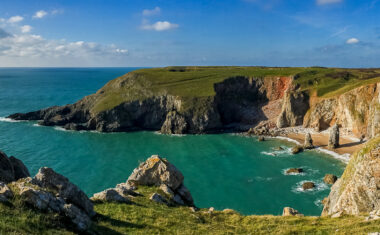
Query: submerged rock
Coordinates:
[294,171]
[330,179]
[288,211]
[308,142]
[334,137]
[308,185]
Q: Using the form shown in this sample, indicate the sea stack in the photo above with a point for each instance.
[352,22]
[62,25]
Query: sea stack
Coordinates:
[334,137]
[308,142]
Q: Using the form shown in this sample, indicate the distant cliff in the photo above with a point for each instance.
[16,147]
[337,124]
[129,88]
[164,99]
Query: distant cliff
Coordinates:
[177,100]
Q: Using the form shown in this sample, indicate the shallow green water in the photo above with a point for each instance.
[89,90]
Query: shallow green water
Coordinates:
[223,171]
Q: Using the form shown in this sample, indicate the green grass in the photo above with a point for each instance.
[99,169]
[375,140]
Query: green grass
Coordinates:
[147,217]
[198,82]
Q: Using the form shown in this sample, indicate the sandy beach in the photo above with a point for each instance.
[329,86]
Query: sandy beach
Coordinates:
[348,145]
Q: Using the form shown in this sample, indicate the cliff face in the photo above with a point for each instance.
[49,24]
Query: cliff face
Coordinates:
[357,111]
[239,102]
[358,190]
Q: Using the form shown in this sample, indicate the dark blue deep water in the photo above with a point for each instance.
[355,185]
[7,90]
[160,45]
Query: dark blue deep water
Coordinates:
[223,171]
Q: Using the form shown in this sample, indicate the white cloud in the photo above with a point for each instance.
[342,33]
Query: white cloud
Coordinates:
[34,46]
[352,41]
[26,28]
[326,2]
[151,12]
[40,14]
[15,19]
[160,26]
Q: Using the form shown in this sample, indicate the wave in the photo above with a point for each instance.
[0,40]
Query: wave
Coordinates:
[342,157]
[318,203]
[319,186]
[287,139]
[4,119]
[174,135]
[268,153]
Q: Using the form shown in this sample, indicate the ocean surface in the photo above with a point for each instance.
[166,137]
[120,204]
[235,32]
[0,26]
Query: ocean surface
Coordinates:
[223,170]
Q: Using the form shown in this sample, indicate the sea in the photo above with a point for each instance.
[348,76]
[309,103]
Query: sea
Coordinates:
[221,170]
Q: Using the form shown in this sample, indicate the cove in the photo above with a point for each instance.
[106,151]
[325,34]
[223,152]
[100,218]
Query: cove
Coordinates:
[223,171]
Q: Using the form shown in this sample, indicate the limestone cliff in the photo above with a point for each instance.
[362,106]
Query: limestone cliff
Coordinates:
[357,111]
[358,190]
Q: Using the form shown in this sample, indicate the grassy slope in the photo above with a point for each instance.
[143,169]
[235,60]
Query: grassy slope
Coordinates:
[198,82]
[146,217]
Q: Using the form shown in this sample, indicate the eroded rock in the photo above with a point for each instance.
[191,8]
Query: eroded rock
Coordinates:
[308,142]
[297,149]
[334,137]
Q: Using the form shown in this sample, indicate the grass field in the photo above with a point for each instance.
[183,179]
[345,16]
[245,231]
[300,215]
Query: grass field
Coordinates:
[198,82]
[147,217]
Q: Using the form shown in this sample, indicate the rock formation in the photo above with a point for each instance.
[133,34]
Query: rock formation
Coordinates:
[308,185]
[294,171]
[157,171]
[334,137]
[308,142]
[358,190]
[288,211]
[297,149]
[11,169]
[330,179]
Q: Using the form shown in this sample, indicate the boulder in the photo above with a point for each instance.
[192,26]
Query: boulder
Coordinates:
[40,199]
[288,211]
[308,142]
[297,149]
[5,192]
[308,185]
[261,138]
[158,198]
[7,174]
[334,137]
[48,178]
[127,189]
[79,218]
[330,179]
[294,171]
[156,171]
[20,170]
[110,195]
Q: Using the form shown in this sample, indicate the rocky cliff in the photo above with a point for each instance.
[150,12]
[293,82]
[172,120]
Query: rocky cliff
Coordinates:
[358,190]
[214,99]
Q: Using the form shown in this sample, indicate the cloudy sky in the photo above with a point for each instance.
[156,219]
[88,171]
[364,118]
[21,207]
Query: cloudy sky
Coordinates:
[77,33]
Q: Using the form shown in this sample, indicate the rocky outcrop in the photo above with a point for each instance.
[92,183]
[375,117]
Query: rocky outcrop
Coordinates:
[11,169]
[334,137]
[308,142]
[308,185]
[5,192]
[330,179]
[157,171]
[48,178]
[288,211]
[110,195]
[297,149]
[358,190]
[293,171]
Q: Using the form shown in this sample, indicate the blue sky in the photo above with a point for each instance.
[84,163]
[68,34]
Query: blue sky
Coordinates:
[341,33]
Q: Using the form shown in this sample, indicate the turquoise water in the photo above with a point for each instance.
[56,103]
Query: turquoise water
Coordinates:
[223,171]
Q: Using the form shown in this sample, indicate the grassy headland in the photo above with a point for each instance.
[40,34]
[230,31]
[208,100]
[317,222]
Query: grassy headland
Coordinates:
[198,82]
